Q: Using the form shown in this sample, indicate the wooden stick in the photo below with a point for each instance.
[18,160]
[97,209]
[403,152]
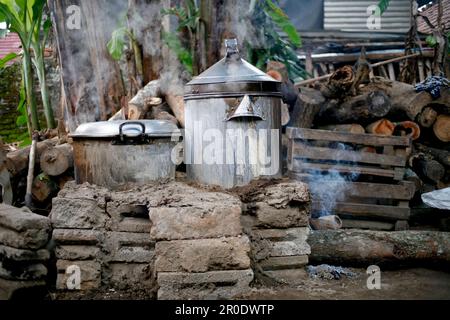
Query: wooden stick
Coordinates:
[325,77]
[30,177]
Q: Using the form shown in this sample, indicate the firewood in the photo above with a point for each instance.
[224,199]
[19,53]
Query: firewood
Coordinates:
[275,74]
[443,156]
[414,178]
[363,71]
[138,106]
[427,117]
[381,127]
[339,83]
[57,160]
[30,175]
[408,128]
[17,161]
[426,168]
[362,108]
[6,194]
[441,128]
[120,115]
[358,247]
[350,128]
[404,98]
[308,105]
[280,68]
[176,104]
[43,188]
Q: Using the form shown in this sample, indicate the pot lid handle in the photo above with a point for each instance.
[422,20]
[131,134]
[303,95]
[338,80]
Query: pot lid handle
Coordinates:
[231,46]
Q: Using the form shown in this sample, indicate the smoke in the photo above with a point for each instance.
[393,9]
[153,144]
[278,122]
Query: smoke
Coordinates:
[331,187]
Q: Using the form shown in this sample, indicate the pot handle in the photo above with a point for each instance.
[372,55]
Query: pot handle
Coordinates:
[140,124]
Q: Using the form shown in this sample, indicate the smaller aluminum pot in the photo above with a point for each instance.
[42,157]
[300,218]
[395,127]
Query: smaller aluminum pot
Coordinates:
[115,153]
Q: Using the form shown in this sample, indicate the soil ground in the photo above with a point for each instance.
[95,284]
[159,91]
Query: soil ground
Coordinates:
[409,284]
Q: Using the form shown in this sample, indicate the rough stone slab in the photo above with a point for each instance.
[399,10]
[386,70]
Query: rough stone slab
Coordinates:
[77,237]
[284,194]
[23,255]
[77,252]
[23,273]
[282,263]
[70,213]
[85,191]
[282,242]
[194,223]
[128,218]
[9,287]
[130,247]
[289,217]
[22,219]
[292,276]
[203,255]
[213,285]
[90,274]
[28,239]
[126,276]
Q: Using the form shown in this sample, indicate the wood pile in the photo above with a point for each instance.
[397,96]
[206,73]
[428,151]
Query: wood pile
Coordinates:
[53,167]
[383,132]
[152,103]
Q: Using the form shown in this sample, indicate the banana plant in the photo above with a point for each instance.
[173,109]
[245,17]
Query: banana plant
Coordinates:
[24,17]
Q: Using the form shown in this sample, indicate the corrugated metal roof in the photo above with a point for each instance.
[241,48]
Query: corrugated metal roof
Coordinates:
[10,43]
[432,14]
[348,15]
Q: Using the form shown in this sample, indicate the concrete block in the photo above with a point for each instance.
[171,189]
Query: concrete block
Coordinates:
[89,271]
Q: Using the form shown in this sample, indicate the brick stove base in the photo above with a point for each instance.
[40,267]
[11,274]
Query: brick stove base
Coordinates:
[174,241]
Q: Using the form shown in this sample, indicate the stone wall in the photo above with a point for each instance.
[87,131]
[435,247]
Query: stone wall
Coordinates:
[174,241]
[24,255]
[10,79]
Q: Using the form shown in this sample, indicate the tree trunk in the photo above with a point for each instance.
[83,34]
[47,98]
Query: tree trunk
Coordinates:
[381,127]
[441,128]
[137,107]
[362,108]
[18,160]
[442,156]
[357,247]
[427,117]
[176,104]
[43,188]
[308,105]
[57,160]
[427,169]
[92,87]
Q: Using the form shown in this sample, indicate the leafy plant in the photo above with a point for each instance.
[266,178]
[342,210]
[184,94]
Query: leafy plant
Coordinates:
[25,19]
[383,5]
[188,22]
[283,49]
[9,57]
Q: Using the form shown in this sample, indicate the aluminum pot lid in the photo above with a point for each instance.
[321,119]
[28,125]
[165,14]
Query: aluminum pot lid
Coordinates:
[129,128]
[232,68]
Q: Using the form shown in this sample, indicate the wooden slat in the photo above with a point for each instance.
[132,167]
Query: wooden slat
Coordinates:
[302,166]
[403,191]
[366,139]
[300,150]
[391,72]
[421,70]
[365,224]
[367,210]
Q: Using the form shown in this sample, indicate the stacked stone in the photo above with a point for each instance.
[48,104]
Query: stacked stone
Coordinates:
[23,254]
[277,222]
[201,252]
[105,236]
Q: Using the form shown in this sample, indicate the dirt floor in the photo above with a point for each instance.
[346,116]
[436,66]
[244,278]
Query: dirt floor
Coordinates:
[410,284]
[407,284]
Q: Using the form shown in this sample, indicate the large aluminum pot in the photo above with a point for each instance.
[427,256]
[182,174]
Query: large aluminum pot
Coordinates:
[233,123]
[116,153]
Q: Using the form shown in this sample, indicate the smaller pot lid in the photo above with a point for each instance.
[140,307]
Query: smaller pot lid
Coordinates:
[232,68]
[111,129]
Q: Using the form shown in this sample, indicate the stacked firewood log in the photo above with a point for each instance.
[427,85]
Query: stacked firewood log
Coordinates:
[379,106]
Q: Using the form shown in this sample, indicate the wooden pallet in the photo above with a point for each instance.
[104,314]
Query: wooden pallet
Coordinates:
[382,203]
